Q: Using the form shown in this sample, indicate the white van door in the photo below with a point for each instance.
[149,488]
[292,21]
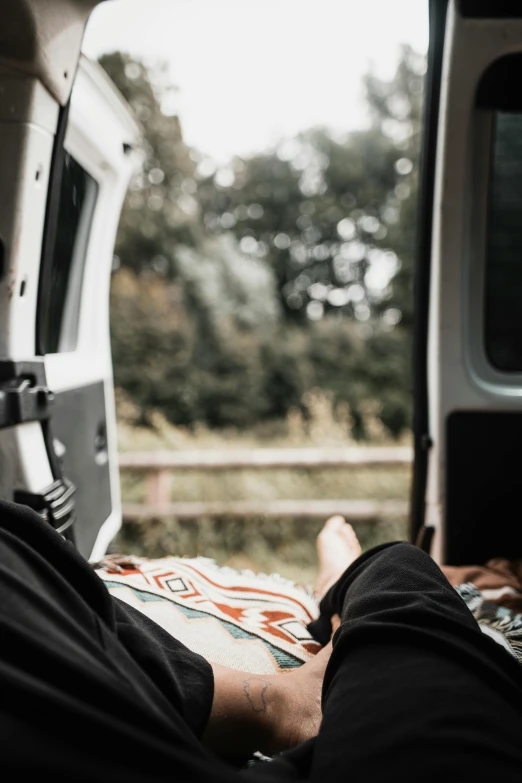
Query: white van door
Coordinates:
[67,170]
[468,341]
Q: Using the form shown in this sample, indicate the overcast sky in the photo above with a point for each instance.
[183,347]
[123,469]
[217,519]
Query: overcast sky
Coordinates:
[250,72]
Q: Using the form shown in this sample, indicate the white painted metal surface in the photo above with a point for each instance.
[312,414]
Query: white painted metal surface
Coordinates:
[28,118]
[99,125]
[459,377]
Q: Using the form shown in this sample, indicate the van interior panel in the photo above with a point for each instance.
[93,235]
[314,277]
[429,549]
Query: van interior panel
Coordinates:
[483,516]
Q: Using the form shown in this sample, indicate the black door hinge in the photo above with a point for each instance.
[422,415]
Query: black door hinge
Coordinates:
[24,394]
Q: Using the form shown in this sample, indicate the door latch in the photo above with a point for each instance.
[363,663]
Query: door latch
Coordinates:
[24,394]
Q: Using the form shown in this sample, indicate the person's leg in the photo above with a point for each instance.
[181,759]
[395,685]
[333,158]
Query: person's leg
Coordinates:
[90,692]
[93,690]
[266,713]
[413,690]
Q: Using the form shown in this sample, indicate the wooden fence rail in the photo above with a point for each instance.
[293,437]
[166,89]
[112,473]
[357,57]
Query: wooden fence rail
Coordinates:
[159,467]
[252,459]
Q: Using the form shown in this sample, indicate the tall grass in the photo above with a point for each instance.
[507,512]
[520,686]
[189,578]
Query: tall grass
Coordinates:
[284,546]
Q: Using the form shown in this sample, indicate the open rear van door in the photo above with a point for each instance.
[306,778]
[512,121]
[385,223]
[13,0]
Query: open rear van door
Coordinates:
[467,491]
[65,163]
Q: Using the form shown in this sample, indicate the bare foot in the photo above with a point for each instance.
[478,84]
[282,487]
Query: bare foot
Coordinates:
[337,548]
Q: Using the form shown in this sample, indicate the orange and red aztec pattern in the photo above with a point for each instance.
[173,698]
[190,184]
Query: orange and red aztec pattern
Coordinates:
[252,622]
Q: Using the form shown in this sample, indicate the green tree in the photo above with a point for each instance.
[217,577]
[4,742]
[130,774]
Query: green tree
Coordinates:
[318,231]
[335,217]
[189,311]
[396,107]
[159,210]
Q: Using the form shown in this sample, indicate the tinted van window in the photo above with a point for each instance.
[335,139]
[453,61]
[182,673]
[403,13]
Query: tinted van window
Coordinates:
[503,294]
[78,191]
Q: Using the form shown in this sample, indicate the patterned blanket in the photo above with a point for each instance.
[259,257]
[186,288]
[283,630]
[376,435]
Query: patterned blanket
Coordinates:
[499,580]
[258,623]
[251,622]
[502,624]
[493,594]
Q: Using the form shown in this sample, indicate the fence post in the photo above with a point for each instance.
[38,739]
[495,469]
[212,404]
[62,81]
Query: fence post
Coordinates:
[158,487]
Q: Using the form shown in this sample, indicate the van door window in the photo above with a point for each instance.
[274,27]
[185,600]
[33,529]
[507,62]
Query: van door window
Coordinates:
[503,289]
[78,192]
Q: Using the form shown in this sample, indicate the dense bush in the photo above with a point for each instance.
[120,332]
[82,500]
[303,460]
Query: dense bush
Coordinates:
[228,376]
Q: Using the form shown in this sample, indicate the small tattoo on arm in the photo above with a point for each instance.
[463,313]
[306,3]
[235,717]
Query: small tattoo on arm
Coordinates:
[255,690]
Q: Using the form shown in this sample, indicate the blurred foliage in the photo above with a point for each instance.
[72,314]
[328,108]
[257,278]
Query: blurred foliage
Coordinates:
[285,545]
[240,289]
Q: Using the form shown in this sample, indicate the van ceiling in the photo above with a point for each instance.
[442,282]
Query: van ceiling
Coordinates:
[43,39]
